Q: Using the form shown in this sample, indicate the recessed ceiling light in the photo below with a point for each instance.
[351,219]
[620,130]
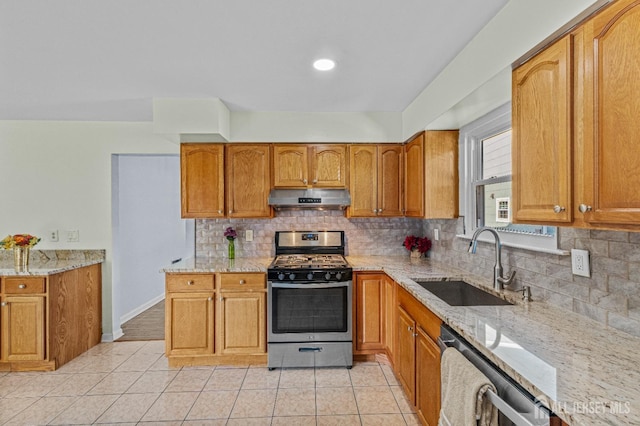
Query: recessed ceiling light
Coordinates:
[324,64]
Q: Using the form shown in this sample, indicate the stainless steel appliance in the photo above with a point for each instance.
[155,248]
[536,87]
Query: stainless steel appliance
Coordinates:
[516,406]
[309,301]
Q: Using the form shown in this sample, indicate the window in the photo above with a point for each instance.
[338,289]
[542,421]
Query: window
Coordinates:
[485,184]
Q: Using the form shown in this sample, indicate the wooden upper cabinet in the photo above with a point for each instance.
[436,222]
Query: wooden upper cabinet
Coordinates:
[610,85]
[248,180]
[290,166]
[414,177]
[304,166]
[541,138]
[441,174]
[202,180]
[431,175]
[328,166]
[375,180]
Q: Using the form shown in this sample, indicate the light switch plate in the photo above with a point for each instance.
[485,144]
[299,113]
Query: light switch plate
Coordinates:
[248,235]
[73,236]
[580,263]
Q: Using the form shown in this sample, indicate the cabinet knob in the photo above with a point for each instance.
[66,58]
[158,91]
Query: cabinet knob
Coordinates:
[304,181]
[374,211]
[209,298]
[315,181]
[190,282]
[230,211]
[219,211]
[221,299]
[22,286]
[379,210]
[558,209]
[243,282]
[584,208]
[410,328]
[3,304]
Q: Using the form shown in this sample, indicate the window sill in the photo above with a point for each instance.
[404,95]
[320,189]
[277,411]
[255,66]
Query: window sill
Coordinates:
[490,240]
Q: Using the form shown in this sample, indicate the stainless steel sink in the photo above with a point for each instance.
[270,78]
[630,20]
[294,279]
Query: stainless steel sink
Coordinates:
[459,293]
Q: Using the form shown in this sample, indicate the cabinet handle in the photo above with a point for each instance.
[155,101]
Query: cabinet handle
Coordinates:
[22,286]
[415,334]
[315,181]
[219,211]
[410,328]
[558,209]
[221,299]
[230,211]
[584,208]
[379,210]
[3,304]
[304,181]
[243,282]
[374,211]
[190,282]
[209,298]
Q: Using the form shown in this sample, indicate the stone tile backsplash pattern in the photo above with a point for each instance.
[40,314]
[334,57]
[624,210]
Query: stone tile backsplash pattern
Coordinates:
[611,296]
[364,236]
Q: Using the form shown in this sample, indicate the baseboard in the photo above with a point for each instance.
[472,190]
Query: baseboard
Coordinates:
[111,337]
[140,309]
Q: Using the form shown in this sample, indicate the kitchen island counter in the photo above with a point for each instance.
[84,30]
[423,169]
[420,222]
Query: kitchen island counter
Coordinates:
[51,262]
[585,372]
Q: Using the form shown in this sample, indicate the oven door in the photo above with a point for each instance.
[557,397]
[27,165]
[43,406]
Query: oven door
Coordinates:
[309,312]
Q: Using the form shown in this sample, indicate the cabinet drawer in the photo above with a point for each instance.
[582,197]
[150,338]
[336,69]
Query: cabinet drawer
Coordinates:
[242,281]
[190,282]
[23,285]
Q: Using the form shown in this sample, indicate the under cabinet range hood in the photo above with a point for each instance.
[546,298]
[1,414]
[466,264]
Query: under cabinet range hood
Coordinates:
[310,199]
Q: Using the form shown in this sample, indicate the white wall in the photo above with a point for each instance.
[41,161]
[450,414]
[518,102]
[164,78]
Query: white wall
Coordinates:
[57,175]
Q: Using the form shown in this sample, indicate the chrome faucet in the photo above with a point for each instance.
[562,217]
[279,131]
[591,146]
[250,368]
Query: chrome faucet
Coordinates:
[498,280]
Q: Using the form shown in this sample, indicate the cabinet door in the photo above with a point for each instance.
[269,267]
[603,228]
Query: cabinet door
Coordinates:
[370,312]
[23,328]
[290,166]
[390,177]
[189,324]
[202,180]
[414,177]
[248,180]
[441,174]
[405,352]
[612,58]
[329,165]
[363,181]
[541,138]
[242,323]
[389,316]
[427,378]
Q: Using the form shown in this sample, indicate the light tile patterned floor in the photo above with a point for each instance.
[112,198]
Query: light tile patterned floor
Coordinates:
[130,383]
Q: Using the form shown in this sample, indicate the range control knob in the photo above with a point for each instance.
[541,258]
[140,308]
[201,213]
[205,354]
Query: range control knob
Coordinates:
[292,276]
[327,276]
[281,276]
[338,276]
[310,276]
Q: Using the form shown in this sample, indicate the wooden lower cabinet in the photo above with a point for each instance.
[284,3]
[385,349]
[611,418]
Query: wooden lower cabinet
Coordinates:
[213,319]
[23,328]
[417,356]
[242,323]
[46,321]
[189,324]
[370,313]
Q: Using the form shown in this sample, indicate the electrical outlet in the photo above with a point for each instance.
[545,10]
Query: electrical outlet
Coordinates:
[436,234]
[53,235]
[73,236]
[248,235]
[580,263]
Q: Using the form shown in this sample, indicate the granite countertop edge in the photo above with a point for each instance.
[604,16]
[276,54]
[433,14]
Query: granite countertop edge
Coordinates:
[52,262]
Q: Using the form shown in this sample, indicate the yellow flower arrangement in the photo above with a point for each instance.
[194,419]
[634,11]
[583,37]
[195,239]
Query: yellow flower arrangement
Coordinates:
[19,240]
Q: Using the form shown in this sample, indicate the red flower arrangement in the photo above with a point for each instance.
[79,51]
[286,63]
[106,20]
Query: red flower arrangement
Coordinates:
[19,240]
[422,244]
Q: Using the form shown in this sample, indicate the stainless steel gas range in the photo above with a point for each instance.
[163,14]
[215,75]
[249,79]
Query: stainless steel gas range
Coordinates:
[309,301]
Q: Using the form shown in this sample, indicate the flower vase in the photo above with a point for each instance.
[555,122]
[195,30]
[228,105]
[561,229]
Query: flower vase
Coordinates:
[415,254]
[232,249]
[21,257]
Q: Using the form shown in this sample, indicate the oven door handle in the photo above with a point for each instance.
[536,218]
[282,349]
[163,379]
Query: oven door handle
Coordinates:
[319,285]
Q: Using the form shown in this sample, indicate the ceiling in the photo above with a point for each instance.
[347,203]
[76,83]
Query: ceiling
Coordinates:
[102,60]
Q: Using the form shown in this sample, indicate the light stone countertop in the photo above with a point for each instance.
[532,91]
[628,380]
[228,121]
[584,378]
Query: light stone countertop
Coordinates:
[51,262]
[586,373]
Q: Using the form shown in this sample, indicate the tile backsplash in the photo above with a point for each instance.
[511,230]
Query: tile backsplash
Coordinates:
[611,296]
[364,236]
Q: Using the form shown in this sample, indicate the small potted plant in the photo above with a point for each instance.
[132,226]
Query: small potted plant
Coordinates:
[231,235]
[417,246]
[21,244]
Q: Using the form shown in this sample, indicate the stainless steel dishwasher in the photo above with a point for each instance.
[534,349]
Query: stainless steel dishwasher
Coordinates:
[516,406]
